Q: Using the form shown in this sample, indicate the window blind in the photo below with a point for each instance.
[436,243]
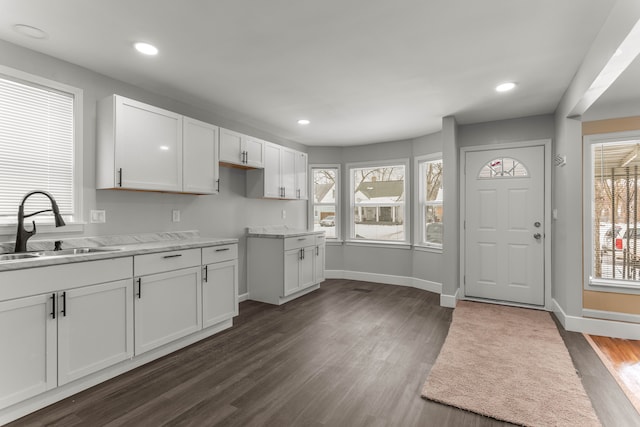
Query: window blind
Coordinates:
[36,147]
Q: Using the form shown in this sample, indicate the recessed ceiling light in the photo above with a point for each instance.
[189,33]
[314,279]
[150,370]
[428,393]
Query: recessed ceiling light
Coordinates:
[29,31]
[505,87]
[146,48]
[303,122]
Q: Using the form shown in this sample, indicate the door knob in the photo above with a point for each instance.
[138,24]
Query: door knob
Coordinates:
[537,236]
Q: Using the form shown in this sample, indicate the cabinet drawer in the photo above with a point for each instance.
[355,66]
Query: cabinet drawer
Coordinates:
[320,239]
[298,242]
[219,253]
[165,261]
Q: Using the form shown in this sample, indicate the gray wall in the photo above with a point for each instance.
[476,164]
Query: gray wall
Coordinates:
[224,215]
[380,260]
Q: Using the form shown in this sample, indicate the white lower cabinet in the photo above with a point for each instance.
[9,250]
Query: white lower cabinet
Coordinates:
[167,307]
[63,336]
[60,324]
[28,361]
[95,328]
[281,268]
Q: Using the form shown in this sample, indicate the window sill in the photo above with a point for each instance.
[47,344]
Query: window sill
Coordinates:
[612,285]
[73,227]
[333,242]
[378,244]
[423,248]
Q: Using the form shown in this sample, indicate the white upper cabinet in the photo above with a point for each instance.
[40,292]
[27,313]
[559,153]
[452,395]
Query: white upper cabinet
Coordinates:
[200,157]
[142,147]
[241,150]
[288,173]
[284,175]
[139,146]
[301,176]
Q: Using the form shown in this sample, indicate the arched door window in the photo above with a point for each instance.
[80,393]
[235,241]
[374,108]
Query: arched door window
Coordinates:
[503,167]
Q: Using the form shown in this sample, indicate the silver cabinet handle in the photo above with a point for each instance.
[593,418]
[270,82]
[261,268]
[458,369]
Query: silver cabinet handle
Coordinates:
[172,256]
[222,250]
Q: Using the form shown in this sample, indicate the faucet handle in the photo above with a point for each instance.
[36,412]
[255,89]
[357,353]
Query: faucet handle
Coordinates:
[57,245]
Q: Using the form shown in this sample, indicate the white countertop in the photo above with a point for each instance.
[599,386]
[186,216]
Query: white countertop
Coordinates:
[279,232]
[123,246]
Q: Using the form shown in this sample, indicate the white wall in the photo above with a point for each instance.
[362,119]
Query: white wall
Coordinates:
[224,215]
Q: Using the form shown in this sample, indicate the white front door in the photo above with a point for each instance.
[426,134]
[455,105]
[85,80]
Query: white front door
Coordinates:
[504,225]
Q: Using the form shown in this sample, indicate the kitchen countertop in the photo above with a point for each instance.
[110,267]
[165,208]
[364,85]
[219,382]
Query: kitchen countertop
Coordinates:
[279,232]
[123,246]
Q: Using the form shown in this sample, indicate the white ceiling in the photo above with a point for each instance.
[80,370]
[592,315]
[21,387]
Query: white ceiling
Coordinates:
[362,71]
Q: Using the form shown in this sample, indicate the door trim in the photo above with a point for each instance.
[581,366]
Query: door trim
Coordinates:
[546,143]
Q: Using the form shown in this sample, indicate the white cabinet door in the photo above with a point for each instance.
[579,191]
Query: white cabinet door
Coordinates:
[320,254]
[231,147]
[272,162]
[200,157]
[219,292]
[301,176]
[291,271]
[95,328]
[307,267]
[288,173]
[167,307]
[254,149]
[29,348]
[148,147]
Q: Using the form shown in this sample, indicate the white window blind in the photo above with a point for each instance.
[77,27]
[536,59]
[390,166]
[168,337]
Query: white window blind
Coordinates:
[36,147]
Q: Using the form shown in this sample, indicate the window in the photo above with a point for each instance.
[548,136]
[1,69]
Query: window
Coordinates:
[613,179]
[324,201]
[504,167]
[378,201]
[429,201]
[40,123]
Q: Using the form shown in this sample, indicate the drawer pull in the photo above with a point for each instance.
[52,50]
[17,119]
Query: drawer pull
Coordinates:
[222,250]
[301,239]
[139,280]
[172,256]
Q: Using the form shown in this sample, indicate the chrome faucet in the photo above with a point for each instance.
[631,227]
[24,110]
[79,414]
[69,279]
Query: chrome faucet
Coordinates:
[23,235]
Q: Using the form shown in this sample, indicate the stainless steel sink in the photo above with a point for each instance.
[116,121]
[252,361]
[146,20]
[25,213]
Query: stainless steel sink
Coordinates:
[15,257]
[62,252]
[76,251]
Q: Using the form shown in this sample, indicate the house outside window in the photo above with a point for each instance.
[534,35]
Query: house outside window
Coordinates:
[429,201]
[378,201]
[612,233]
[324,210]
[40,129]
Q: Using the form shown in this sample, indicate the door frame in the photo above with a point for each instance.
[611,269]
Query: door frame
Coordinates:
[546,143]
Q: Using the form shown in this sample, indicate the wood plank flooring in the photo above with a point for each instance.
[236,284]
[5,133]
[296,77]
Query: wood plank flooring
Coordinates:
[350,354]
[623,356]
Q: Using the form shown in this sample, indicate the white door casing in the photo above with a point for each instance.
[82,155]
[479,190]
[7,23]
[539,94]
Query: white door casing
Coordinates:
[504,230]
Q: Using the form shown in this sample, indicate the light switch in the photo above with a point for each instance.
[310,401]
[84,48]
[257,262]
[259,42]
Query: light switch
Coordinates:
[98,216]
[176,215]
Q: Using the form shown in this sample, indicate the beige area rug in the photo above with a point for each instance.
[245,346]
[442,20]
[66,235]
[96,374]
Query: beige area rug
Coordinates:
[510,364]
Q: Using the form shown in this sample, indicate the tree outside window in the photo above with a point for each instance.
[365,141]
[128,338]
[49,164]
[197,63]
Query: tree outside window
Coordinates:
[431,198]
[324,200]
[379,203]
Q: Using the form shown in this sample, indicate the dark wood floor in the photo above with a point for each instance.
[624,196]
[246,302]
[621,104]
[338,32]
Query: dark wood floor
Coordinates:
[351,354]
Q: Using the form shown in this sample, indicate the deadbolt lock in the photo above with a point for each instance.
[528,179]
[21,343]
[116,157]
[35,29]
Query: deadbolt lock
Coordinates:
[537,224]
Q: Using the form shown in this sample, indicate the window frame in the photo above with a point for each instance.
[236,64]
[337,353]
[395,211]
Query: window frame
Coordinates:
[420,204]
[338,200]
[591,283]
[350,226]
[75,222]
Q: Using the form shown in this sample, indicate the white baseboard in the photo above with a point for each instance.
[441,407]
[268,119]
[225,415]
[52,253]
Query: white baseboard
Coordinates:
[603,327]
[611,315]
[243,297]
[449,301]
[412,282]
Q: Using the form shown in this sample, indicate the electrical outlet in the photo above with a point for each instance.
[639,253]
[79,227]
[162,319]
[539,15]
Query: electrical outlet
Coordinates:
[98,216]
[176,215]
[284,214]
